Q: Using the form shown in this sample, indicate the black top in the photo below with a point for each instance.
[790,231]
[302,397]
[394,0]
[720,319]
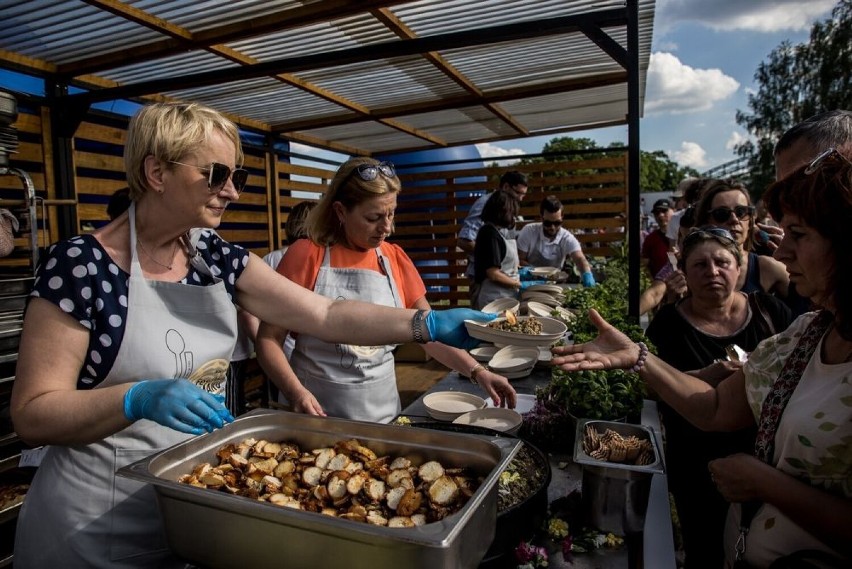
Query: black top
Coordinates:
[489,250]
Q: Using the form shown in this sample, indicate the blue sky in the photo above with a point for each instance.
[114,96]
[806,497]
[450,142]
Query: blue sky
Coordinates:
[704,56]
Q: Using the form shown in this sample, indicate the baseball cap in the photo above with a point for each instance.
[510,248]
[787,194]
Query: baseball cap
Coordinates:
[662,204]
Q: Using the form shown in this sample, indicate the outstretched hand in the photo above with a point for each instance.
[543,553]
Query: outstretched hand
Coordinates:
[610,350]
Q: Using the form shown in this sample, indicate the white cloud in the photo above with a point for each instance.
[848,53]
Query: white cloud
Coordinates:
[752,15]
[677,88]
[690,154]
[735,139]
[488,150]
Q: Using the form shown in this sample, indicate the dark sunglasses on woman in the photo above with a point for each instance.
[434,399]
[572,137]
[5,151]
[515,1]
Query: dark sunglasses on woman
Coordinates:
[708,232]
[369,172]
[218,175]
[723,214]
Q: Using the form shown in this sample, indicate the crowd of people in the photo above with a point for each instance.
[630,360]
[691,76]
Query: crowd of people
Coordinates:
[135,335]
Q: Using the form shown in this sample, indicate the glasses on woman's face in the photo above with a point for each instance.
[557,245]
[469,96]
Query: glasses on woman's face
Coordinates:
[369,172]
[218,175]
[723,214]
[707,232]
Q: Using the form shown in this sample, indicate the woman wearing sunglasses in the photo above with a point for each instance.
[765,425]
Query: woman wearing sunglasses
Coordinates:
[792,496]
[692,335]
[127,333]
[727,204]
[347,256]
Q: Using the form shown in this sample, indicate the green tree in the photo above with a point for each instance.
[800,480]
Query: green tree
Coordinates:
[794,83]
[658,173]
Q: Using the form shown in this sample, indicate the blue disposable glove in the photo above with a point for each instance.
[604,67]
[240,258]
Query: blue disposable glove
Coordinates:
[176,403]
[525,273]
[447,326]
[588,279]
[527,284]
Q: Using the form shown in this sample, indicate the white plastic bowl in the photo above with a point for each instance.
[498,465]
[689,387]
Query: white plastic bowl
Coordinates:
[513,358]
[484,353]
[448,405]
[501,305]
[523,403]
[551,289]
[544,272]
[552,331]
[497,418]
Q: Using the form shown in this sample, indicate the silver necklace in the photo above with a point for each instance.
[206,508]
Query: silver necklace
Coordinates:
[150,256]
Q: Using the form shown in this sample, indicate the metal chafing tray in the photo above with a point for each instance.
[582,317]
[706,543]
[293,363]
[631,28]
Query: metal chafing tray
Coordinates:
[217,530]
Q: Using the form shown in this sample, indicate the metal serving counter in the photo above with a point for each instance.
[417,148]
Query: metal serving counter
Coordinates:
[654,548]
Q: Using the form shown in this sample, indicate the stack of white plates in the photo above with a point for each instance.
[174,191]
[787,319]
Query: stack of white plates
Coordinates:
[552,331]
[497,418]
[514,362]
[448,405]
[484,353]
[551,289]
[541,297]
[535,308]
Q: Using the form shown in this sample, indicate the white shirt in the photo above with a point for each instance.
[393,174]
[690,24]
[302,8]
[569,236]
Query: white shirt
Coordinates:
[543,252]
[674,225]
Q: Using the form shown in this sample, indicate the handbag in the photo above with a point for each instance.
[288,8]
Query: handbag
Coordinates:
[8,226]
[770,415]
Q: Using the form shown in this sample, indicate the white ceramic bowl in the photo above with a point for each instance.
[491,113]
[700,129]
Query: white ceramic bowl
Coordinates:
[484,353]
[497,418]
[513,358]
[542,297]
[552,331]
[447,405]
[501,305]
[523,403]
[544,272]
[535,308]
[551,289]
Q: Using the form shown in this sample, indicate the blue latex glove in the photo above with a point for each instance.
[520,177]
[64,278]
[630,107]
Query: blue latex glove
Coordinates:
[527,284]
[176,403]
[588,279]
[447,326]
[525,273]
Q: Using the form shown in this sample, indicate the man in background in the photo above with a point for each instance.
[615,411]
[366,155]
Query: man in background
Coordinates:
[548,244]
[655,247]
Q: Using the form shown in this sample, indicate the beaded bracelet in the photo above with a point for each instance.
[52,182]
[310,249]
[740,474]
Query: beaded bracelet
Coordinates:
[417,327]
[643,355]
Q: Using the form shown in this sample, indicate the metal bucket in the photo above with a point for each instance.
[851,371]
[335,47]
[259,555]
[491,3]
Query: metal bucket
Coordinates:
[615,496]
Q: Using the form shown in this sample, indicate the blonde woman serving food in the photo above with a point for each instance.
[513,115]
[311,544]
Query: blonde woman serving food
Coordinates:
[347,257]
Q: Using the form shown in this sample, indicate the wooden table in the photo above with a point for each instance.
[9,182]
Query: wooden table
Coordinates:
[652,549]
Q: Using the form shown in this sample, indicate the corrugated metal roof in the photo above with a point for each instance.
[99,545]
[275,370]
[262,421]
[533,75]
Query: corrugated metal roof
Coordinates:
[361,76]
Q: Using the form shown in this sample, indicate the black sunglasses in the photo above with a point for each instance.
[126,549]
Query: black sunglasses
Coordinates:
[218,175]
[707,232]
[829,157]
[723,214]
[369,172]
[546,223]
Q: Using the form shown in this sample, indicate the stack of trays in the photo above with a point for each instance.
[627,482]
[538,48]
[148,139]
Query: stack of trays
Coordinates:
[514,362]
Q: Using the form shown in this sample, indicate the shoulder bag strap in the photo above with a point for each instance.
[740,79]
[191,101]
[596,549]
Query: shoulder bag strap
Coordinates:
[773,407]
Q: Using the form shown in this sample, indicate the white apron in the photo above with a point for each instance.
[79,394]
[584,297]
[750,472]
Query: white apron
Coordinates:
[354,382]
[488,290]
[77,512]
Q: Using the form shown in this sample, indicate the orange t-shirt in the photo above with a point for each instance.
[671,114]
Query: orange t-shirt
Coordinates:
[302,261]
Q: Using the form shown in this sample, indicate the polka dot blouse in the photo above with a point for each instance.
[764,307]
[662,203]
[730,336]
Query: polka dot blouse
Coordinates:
[80,278]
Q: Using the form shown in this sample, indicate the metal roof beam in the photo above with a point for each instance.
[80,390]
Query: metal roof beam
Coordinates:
[384,50]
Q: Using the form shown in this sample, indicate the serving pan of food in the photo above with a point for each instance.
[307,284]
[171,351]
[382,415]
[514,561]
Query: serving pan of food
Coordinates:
[216,528]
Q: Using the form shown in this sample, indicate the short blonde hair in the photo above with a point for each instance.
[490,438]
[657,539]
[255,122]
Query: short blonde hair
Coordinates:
[348,188]
[170,131]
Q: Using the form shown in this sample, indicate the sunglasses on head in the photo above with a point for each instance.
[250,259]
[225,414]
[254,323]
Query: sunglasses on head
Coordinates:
[708,232]
[830,157]
[723,214]
[218,175]
[369,172]
[546,223]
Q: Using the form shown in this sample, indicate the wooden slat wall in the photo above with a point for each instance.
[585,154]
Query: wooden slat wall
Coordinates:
[431,210]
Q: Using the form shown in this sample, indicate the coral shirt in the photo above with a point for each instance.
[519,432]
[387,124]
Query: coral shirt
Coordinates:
[302,262]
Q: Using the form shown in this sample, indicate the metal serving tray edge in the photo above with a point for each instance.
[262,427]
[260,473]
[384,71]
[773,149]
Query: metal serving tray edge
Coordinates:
[218,530]
[624,429]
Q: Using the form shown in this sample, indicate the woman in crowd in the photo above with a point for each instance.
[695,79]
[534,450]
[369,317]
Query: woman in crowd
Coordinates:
[796,386]
[347,256]
[495,252]
[692,335]
[126,338]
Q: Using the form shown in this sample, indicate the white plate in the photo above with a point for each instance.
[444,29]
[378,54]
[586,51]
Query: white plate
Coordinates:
[513,358]
[541,297]
[552,331]
[523,403]
[501,305]
[484,353]
[544,272]
[447,405]
[517,374]
[497,418]
[551,289]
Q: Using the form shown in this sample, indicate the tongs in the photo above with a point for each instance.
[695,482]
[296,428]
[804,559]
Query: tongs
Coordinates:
[736,353]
